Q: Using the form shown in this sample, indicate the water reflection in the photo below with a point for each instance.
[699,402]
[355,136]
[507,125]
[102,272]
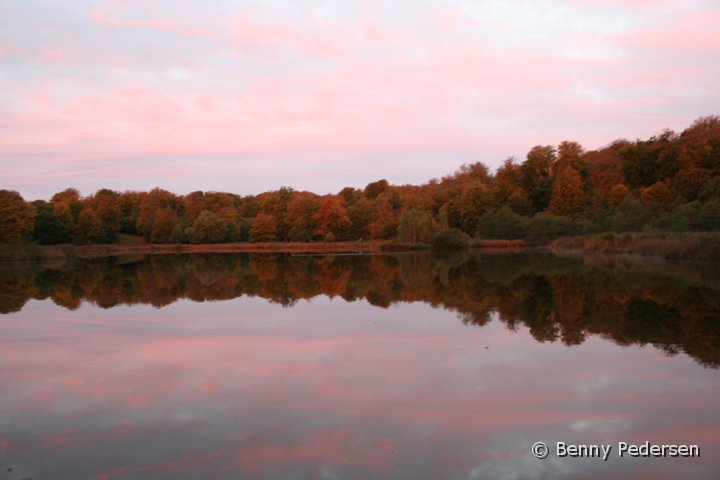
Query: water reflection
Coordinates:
[335,387]
[558,299]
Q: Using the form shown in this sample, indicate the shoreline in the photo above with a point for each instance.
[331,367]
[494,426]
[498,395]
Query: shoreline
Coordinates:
[669,246]
[33,252]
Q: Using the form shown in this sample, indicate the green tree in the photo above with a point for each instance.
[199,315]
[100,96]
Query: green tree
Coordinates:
[710,216]
[630,215]
[503,224]
[416,226]
[450,239]
[207,228]
[537,174]
[48,229]
[545,227]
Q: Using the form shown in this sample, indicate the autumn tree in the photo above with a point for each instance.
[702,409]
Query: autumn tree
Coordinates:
[604,174]
[193,204]
[385,221]
[361,216]
[106,206]
[301,210]
[475,199]
[373,189]
[330,217]
[652,160]
[276,204]
[129,208]
[163,226]
[659,195]
[699,145]
[16,217]
[567,193]
[69,196]
[570,154]
[618,193]
[89,228]
[472,172]
[698,154]
[507,187]
[264,229]
[150,203]
[66,207]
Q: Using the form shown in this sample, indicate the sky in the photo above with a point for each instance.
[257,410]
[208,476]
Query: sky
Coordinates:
[249,95]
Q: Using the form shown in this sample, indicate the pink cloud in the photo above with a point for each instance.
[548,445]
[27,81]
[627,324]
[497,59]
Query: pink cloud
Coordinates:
[181,464]
[326,40]
[692,31]
[300,390]
[97,16]
[55,55]
[339,446]
[124,81]
[377,35]
[164,25]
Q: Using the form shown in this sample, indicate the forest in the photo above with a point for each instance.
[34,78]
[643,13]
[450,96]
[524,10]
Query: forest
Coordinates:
[667,183]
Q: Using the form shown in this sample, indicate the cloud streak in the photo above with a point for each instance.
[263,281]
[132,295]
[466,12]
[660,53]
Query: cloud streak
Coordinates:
[127,88]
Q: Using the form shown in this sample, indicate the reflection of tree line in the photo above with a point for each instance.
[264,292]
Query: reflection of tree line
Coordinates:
[557,299]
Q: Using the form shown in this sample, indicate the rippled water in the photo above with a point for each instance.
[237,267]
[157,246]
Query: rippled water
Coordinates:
[379,367]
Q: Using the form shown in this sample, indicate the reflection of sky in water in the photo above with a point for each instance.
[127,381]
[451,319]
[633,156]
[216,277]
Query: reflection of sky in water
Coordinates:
[329,389]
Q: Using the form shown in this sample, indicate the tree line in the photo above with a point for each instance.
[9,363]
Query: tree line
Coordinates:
[669,182]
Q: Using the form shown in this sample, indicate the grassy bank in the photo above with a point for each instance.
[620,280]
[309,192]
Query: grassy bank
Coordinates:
[676,246]
[680,246]
[29,252]
[45,252]
[499,245]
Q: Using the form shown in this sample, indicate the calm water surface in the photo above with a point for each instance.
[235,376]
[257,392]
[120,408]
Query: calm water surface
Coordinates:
[355,367]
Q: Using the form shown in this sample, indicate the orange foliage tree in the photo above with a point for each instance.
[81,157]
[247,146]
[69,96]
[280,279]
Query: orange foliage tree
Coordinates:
[567,193]
[330,218]
[16,217]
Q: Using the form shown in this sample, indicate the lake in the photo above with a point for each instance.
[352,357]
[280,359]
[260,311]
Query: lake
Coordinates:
[408,366]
